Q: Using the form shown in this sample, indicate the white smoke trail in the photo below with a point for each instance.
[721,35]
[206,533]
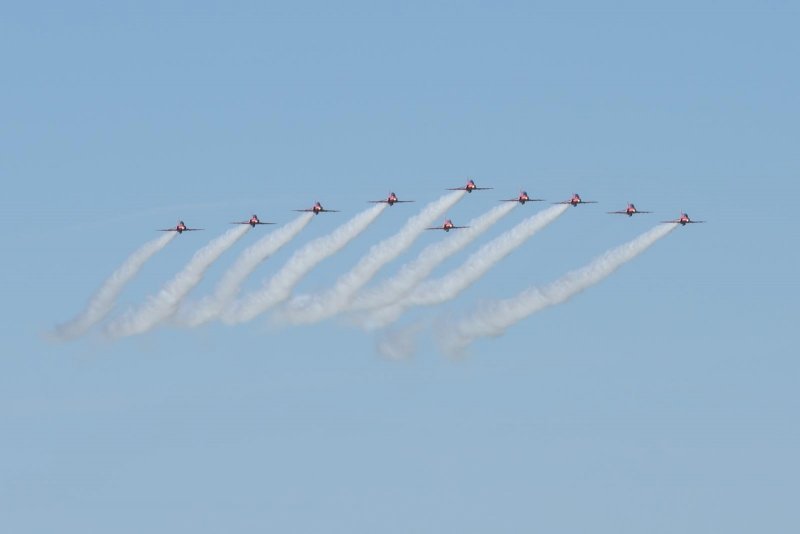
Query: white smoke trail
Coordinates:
[414,272]
[310,309]
[400,344]
[103,301]
[228,287]
[279,287]
[449,286]
[165,303]
[492,319]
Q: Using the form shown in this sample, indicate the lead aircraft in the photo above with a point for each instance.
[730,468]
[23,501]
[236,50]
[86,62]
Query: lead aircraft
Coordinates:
[252,222]
[469,187]
[180,228]
[446,226]
[317,208]
[575,200]
[630,211]
[522,198]
[683,220]
[391,200]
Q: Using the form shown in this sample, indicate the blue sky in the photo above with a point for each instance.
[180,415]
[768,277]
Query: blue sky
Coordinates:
[662,400]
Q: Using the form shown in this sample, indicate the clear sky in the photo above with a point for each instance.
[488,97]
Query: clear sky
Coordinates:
[661,400]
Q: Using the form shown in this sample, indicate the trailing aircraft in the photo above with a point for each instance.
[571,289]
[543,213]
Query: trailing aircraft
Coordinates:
[575,200]
[469,187]
[446,226]
[391,200]
[683,220]
[180,228]
[522,198]
[252,222]
[630,211]
[317,209]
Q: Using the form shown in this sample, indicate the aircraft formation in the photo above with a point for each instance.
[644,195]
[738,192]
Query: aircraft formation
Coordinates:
[369,307]
[448,224]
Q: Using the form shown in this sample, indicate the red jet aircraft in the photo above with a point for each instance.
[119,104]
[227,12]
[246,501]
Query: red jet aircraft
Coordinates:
[180,228]
[317,208]
[575,200]
[683,220]
[252,222]
[522,198]
[447,226]
[630,211]
[391,200]
[469,188]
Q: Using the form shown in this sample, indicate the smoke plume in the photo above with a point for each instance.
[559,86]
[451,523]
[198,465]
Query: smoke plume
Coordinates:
[492,319]
[166,302]
[229,286]
[279,287]
[414,272]
[310,309]
[103,301]
[449,286]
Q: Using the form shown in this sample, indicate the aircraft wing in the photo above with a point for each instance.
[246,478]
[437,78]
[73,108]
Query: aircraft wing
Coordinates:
[248,222]
[518,200]
[386,201]
[192,229]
